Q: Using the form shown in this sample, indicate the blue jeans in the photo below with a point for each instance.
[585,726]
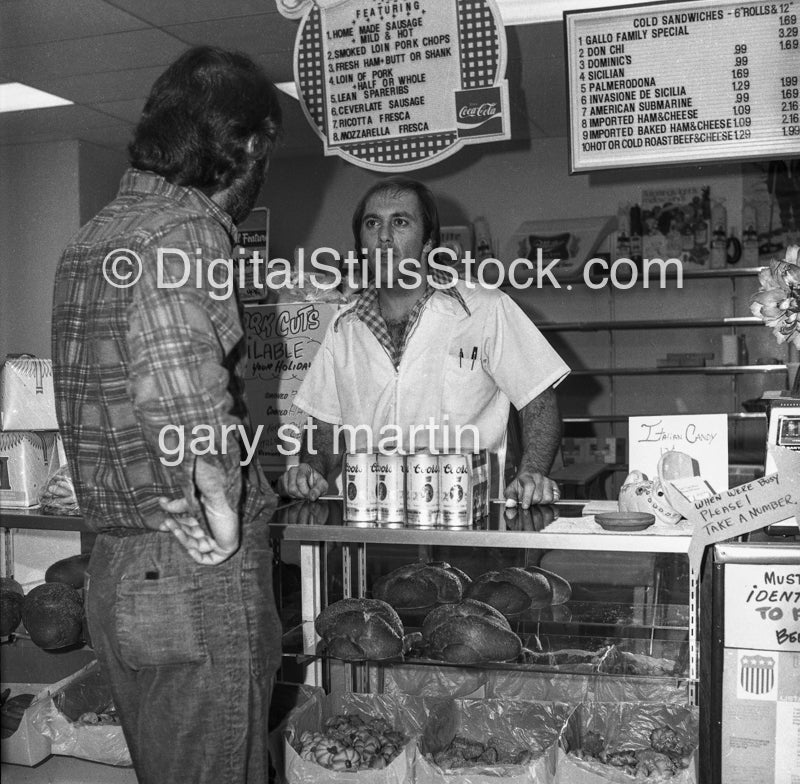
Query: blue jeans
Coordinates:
[190,652]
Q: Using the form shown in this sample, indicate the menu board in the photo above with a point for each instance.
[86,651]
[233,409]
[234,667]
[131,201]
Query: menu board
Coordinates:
[394,86]
[683,81]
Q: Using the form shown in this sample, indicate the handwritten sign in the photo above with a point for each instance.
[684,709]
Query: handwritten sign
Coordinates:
[762,606]
[704,437]
[695,80]
[281,343]
[745,508]
[394,86]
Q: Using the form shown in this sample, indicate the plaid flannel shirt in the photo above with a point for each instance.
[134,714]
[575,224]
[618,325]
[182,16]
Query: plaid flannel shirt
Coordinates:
[136,366]
[367,309]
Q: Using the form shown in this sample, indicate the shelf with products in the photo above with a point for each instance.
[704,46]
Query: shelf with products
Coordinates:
[723,370]
[616,418]
[599,278]
[593,326]
[661,350]
[630,612]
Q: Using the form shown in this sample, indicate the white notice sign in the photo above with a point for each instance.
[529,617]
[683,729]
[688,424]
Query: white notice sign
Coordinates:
[762,606]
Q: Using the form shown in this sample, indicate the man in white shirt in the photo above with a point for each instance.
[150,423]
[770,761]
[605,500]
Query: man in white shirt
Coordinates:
[426,358]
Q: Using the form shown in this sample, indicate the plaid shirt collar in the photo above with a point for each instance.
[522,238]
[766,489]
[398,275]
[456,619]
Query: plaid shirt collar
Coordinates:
[367,309]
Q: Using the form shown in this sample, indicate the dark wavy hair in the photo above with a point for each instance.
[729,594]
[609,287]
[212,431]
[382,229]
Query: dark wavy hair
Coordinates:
[430,213]
[200,115]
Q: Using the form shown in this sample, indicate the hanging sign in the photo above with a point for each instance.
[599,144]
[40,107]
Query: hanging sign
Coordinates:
[395,86]
[683,81]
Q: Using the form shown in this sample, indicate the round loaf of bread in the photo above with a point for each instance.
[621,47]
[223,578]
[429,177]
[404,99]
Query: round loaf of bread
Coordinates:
[421,586]
[512,590]
[562,590]
[469,633]
[360,629]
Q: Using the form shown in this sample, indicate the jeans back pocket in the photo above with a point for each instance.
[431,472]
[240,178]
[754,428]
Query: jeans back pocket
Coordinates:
[160,622]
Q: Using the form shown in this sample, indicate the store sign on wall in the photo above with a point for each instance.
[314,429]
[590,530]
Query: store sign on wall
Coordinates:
[677,82]
[395,86]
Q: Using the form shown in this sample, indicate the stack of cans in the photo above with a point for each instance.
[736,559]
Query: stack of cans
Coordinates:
[421,490]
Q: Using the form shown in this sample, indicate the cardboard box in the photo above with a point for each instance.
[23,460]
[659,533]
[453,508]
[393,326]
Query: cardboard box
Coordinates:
[27,746]
[622,726]
[509,727]
[405,714]
[27,401]
[27,459]
[67,714]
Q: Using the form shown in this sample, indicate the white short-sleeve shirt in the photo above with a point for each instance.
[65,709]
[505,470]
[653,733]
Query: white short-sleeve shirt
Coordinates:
[437,386]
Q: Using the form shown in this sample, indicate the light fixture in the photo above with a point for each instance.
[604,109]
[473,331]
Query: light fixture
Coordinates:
[290,88]
[518,12]
[17,97]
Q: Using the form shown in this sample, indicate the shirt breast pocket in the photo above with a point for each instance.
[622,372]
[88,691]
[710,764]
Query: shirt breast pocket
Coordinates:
[463,387]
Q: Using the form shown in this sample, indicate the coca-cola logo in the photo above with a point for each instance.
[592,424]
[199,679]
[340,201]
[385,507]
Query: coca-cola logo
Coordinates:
[478,111]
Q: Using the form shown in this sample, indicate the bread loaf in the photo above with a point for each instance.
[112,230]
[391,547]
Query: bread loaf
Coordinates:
[512,590]
[562,590]
[469,632]
[421,586]
[360,629]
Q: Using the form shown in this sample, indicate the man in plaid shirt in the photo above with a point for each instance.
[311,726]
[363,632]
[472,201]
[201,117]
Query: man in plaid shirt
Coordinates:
[417,348]
[179,586]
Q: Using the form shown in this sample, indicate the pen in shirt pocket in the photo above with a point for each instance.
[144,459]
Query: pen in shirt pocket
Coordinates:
[474,357]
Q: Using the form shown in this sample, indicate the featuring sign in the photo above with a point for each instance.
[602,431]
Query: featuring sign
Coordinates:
[395,86]
[762,606]
[683,81]
[704,437]
[281,343]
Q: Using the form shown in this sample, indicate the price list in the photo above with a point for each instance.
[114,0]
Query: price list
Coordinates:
[683,82]
[389,69]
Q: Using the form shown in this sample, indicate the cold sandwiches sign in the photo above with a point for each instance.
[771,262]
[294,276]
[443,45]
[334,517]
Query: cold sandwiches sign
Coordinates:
[394,86]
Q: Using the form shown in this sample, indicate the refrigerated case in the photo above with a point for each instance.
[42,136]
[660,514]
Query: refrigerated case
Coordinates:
[750,696]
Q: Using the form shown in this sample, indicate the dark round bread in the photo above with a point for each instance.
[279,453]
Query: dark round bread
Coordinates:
[10,612]
[360,629]
[562,590]
[53,615]
[464,609]
[512,590]
[420,586]
[470,633]
[70,571]
[328,621]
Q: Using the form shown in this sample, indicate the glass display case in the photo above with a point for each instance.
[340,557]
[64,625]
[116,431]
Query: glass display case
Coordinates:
[631,616]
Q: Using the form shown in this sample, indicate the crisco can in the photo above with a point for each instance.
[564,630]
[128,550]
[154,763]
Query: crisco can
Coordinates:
[455,491]
[390,489]
[358,485]
[422,490]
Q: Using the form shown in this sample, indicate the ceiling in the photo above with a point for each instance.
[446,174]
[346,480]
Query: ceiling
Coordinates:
[105,54]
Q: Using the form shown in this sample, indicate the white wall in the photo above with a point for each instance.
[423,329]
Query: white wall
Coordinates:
[46,192]
[39,208]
